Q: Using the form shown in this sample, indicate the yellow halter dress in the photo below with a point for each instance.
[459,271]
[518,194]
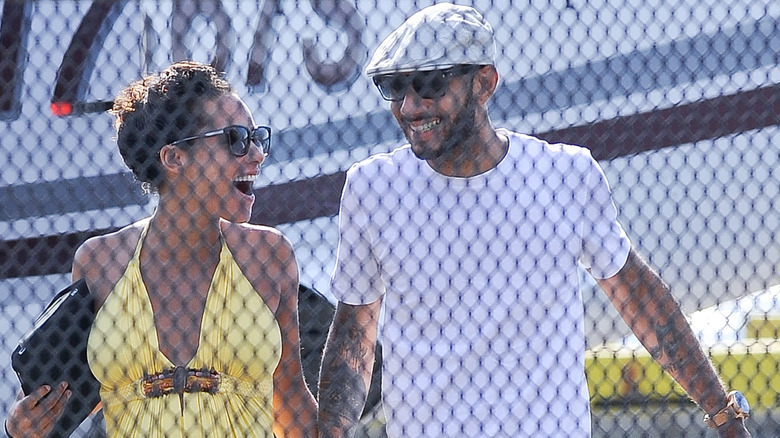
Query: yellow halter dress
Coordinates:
[240,342]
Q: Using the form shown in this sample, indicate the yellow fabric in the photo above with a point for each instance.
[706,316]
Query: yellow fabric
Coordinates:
[239,338]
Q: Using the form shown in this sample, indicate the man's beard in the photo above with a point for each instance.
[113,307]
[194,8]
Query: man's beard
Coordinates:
[459,127]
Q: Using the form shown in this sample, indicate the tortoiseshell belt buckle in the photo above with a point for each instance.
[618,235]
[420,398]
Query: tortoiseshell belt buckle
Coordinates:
[179,380]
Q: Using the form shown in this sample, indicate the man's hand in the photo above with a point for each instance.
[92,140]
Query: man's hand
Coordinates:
[35,415]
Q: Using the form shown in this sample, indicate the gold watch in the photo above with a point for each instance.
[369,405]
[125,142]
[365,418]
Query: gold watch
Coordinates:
[736,407]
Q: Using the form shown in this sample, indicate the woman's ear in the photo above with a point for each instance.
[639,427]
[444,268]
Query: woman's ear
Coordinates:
[172,158]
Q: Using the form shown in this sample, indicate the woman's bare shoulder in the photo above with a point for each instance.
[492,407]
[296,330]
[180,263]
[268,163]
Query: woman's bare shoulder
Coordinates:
[119,240]
[266,258]
[254,235]
[101,260]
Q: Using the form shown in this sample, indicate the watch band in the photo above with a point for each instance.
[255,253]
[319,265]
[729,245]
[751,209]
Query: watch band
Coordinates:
[721,418]
[732,411]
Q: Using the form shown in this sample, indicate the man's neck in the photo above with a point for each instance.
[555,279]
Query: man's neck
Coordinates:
[475,156]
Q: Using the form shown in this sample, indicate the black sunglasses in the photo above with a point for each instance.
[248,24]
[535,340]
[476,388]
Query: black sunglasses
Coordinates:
[238,138]
[430,84]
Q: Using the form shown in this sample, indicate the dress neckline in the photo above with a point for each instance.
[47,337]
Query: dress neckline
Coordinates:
[155,338]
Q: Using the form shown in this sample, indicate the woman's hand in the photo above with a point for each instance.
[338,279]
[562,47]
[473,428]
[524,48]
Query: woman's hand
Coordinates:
[36,414]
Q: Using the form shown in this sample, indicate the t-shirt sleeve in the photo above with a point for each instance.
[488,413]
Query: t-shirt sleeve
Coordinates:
[606,245]
[356,278]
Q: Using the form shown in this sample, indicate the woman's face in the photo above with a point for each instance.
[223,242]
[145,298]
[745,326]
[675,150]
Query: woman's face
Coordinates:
[222,181]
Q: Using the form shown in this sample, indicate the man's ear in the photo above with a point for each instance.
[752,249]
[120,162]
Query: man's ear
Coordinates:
[486,83]
[172,158]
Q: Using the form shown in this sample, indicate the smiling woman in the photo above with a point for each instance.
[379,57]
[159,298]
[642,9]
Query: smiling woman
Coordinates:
[185,309]
[239,141]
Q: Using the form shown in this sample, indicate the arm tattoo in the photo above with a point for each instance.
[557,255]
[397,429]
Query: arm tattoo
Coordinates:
[347,364]
[669,349]
[655,316]
[665,318]
[342,398]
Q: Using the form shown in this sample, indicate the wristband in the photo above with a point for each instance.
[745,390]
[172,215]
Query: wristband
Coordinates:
[737,407]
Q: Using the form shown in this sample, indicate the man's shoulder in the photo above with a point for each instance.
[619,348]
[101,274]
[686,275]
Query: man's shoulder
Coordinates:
[377,163]
[536,145]
[399,154]
[531,152]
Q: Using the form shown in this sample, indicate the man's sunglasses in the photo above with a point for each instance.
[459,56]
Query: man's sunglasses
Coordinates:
[430,84]
[238,138]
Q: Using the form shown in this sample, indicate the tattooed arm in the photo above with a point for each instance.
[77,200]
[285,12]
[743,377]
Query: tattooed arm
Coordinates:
[347,363]
[651,311]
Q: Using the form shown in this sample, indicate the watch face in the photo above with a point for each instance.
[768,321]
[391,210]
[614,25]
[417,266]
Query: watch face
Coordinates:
[741,402]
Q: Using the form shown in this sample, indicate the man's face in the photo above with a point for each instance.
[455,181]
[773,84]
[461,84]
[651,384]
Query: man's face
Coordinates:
[436,110]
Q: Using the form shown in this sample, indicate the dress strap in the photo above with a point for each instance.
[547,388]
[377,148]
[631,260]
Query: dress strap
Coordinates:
[141,239]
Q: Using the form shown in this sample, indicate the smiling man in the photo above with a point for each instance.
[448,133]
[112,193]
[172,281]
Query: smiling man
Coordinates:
[471,237]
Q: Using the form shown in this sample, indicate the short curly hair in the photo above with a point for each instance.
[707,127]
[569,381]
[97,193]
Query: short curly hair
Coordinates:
[160,109]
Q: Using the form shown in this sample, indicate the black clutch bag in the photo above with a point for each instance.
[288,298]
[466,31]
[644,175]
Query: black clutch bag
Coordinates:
[55,350]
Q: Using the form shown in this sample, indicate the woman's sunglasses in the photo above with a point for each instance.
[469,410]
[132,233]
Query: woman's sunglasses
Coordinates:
[238,138]
[430,84]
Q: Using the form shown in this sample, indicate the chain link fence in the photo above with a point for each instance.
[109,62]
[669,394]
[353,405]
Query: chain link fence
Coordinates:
[677,100]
